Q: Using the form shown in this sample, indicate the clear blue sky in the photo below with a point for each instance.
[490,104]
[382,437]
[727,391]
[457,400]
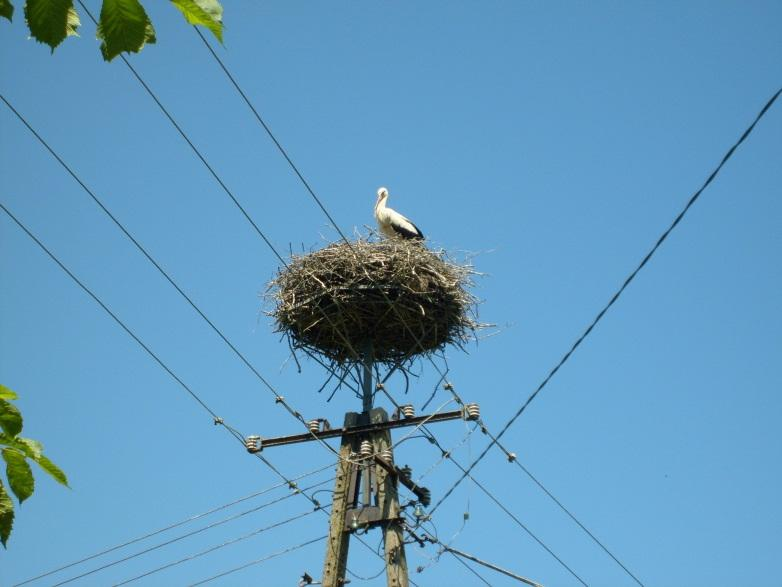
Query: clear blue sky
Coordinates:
[555,142]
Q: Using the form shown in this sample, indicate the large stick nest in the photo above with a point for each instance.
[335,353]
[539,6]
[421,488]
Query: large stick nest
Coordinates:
[394,298]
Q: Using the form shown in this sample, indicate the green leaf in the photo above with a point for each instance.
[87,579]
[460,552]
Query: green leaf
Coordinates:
[6,10]
[123,26]
[31,448]
[19,473]
[34,450]
[6,393]
[51,21]
[208,13]
[52,469]
[6,515]
[10,418]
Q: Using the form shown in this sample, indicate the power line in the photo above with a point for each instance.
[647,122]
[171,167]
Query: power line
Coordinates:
[459,553]
[491,496]
[216,547]
[189,142]
[305,183]
[222,184]
[309,189]
[279,399]
[517,521]
[495,440]
[572,516]
[180,537]
[89,292]
[170,527]
[469,568]
[484,428]
[512,457]
[616,295]
[271,135]
[259,561]
[216,419]
[232,431]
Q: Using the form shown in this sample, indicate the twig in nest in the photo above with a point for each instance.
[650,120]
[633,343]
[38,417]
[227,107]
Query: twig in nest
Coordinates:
[396,296]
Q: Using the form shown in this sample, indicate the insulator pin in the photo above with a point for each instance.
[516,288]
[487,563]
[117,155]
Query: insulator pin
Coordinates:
[253,443]
[314,425]
[408,411]
[471,412]
[387,455]
[366,449]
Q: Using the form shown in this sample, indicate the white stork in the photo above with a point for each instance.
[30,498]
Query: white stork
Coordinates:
[391,223]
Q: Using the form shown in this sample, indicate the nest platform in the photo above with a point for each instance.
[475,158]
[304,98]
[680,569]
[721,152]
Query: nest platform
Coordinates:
[394,299]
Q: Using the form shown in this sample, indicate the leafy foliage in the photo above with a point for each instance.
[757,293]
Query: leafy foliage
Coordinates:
[123,27]
[7,11]
[10,418]
[6,393]
[15,454]
[51,21]
[19,473]
[207,13]
[6,515]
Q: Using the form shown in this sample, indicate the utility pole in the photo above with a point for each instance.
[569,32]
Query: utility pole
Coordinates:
[366,487]
[388,498]
[335,566]
[365,494]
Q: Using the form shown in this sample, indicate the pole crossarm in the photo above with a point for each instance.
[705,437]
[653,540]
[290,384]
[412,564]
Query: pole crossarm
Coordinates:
[257,444]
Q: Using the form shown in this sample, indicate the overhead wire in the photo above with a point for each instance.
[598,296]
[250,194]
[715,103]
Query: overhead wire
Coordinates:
[494,499]
[171,526]
[305,183]
[211,549]
[233,198]
[292,484]
[258,561]
[622,288]
[433,560]
[236,434]
[484,428]
[95,298]
[181,537]
[494,440]
[461,554]
[278,398]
